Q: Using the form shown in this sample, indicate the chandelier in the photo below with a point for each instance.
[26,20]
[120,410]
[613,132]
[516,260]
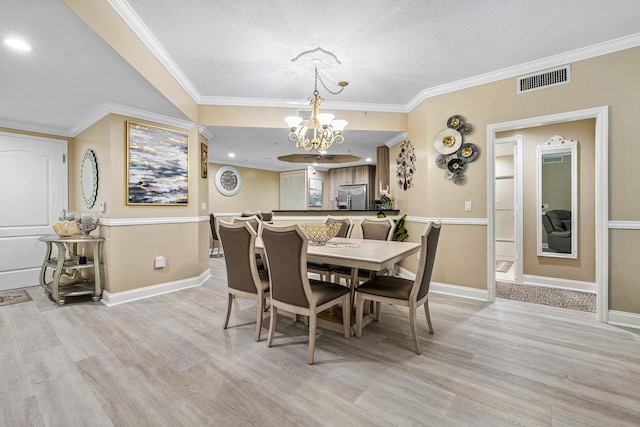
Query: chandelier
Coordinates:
[326,129]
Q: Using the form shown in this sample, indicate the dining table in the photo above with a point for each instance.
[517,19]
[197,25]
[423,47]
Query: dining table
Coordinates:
[373,255]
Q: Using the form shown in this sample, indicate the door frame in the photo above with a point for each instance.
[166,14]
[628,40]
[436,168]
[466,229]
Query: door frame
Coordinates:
[518,201]
[601,116]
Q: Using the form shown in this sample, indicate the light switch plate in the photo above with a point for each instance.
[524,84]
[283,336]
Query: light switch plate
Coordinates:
[467,206]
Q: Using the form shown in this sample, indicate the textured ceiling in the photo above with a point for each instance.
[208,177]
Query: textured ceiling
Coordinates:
[390,50]
[239,53]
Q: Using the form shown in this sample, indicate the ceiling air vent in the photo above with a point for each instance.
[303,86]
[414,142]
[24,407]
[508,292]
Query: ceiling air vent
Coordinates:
[554,77]
[304,114]
[553,159]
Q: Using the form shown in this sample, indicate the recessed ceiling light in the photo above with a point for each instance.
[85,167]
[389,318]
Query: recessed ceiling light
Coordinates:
[232,155]
[323,152]
[368,159]
[18,44]
[315,163]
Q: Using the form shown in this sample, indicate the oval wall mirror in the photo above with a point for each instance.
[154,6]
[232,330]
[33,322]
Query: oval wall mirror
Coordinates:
[89,178]
[557,194]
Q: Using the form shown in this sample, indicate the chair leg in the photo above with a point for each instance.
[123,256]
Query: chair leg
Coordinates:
[229,303]
[259,310]
[414,328]
[346,316]
[272,324]
[426,312]
[359,310]
[312,336]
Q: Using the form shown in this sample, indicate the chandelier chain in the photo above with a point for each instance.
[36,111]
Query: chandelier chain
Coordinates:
[318,77]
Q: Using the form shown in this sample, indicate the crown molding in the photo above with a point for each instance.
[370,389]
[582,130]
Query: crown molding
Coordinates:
[396,139]
[599,49]
[136,24]
[107,108]
[32,127]
[295,103]
[204,131]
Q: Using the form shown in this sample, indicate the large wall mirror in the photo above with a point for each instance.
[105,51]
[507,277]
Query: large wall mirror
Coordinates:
[557,195]
[89,178]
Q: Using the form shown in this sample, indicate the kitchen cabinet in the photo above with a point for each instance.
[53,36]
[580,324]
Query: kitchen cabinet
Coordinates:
[352,175]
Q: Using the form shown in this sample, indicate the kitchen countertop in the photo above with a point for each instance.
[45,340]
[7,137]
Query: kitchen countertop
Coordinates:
[336,212]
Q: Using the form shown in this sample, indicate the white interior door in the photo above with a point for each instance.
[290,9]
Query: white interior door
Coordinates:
[33,173]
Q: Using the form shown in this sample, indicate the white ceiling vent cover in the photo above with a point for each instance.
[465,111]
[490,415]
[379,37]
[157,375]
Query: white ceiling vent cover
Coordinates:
[554,77]
[304,114]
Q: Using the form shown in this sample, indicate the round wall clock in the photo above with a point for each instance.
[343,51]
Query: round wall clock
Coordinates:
[228,180]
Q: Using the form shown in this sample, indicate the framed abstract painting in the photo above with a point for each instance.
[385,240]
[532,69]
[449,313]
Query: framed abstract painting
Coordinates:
[157,165]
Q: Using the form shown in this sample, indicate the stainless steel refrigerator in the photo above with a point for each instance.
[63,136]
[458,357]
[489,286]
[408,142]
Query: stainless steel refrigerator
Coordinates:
[353,197]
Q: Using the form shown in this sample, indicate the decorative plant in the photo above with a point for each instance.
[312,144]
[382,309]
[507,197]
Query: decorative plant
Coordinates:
[385,197]
[400,233]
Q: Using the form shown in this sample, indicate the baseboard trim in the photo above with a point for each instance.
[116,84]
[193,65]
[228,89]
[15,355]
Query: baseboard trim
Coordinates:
[554,282]
[117,298]
[624,319]
[447,289]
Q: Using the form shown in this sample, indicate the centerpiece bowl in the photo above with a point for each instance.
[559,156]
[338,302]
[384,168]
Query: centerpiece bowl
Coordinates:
[65,228]
[320,233]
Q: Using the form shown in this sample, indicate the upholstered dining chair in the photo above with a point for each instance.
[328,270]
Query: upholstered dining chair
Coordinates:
[291,288]
[249,213]
[255,223]
[377,228]
[214,235]
[243,278]
[404,292]
[372,229]
[346,225]
[253,220]
[325,271]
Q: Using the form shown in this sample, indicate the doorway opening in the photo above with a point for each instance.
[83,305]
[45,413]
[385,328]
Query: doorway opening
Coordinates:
[601,246]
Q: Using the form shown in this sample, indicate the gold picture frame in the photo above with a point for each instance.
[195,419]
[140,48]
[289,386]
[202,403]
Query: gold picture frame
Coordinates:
[204,160]
[157,165]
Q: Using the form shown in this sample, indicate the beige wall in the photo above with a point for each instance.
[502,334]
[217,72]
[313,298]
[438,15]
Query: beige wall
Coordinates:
[582,268]
[259,191]
[606,80]
[130,250]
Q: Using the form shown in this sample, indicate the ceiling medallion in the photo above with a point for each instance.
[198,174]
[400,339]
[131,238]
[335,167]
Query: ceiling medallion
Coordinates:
[326,129]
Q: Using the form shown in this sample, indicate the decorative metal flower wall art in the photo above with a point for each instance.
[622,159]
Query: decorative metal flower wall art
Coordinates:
[405,165]
[455,154]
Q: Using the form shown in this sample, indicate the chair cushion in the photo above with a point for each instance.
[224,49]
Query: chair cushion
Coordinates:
[387,286]
[326,291]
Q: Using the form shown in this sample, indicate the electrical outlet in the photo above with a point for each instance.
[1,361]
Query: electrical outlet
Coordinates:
[160,262]
[204,206]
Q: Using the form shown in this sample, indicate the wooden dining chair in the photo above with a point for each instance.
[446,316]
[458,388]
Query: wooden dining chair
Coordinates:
[377,228]
[326,271]
[256,224]
[291,288]
[243,278]
[404,292]
[372,229]
[249,213]
[346,225]
[214,236]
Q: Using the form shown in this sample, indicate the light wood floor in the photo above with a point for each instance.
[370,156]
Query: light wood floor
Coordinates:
[166,361]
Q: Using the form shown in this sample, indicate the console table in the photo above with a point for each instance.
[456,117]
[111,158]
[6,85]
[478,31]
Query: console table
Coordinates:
[67,267]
